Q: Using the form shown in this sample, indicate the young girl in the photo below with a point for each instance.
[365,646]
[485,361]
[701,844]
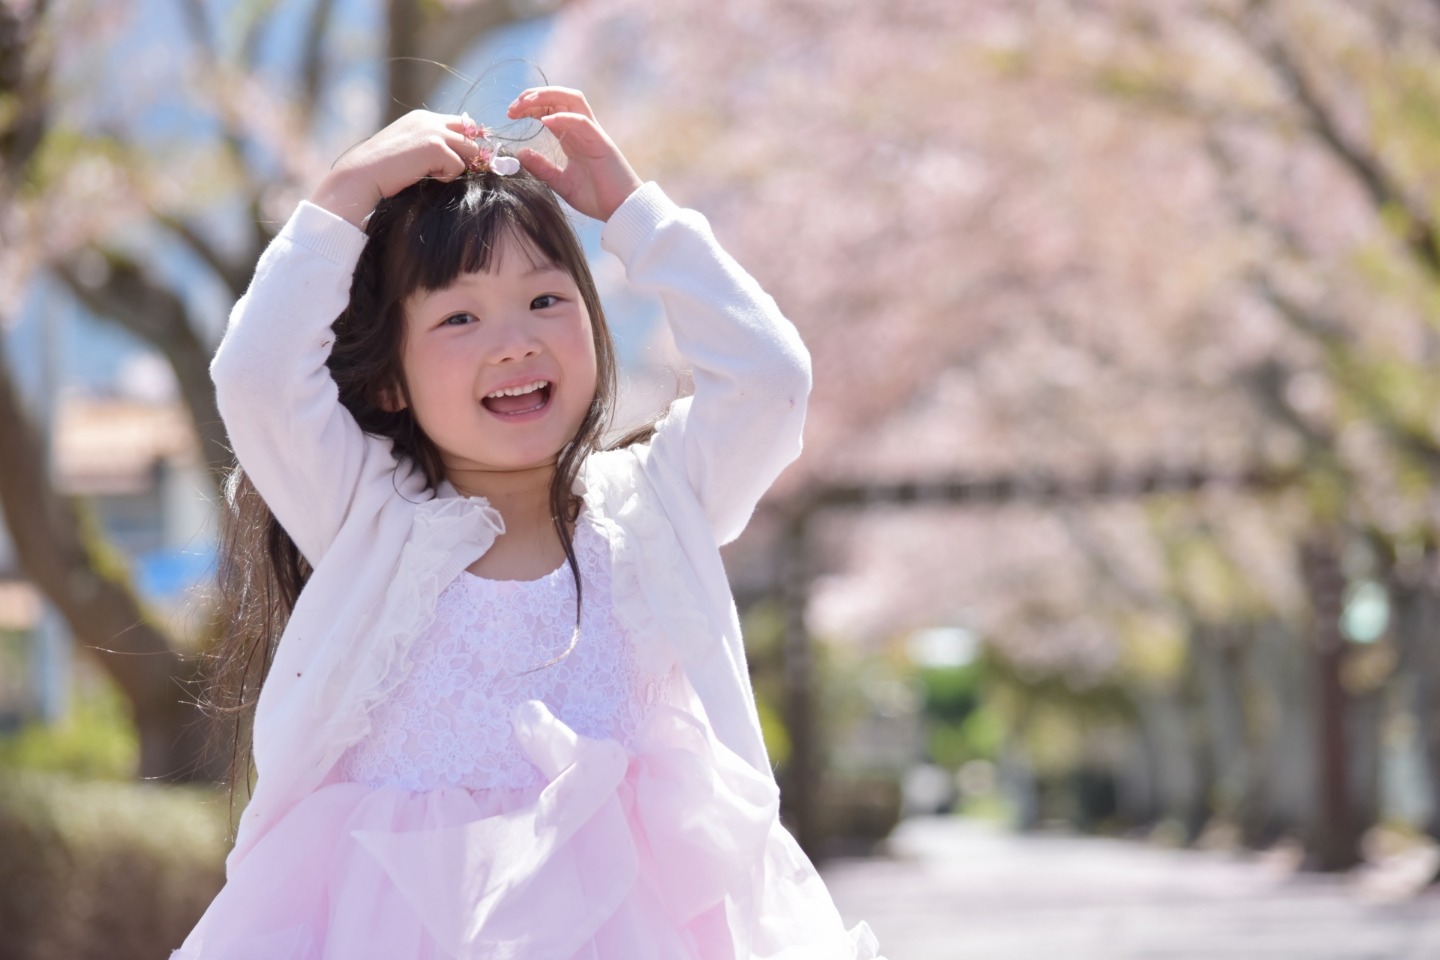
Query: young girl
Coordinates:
[509,715]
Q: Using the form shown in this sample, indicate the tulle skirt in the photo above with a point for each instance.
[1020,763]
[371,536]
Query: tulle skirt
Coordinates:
[669,849]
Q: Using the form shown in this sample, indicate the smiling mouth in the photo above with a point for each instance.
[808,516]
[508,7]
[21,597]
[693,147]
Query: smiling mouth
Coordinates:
[513,401]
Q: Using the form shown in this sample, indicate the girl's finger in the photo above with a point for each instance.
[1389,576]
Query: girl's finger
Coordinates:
[462,149]
[540,102]
[457,142]
[449,164]
[540,166]
[578,134]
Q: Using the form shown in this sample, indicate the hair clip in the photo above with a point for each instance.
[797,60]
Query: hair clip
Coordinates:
[489,156]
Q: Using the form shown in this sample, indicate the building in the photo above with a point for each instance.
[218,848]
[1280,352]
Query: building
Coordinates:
[137,465]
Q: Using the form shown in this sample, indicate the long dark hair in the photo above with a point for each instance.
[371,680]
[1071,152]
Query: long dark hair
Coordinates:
[421,239]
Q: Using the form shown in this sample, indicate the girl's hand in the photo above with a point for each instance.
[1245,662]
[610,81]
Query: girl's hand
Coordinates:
[419,144]
[596,177]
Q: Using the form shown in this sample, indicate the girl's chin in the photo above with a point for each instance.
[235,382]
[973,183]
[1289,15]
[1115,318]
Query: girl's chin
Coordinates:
[539,454]
[462,467]
[498,467]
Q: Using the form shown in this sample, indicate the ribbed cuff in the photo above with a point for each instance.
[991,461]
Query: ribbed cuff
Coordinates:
[636,219]
[320,231]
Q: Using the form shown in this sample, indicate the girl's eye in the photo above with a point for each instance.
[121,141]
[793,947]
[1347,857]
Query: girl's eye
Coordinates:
[541,302]
[457,319]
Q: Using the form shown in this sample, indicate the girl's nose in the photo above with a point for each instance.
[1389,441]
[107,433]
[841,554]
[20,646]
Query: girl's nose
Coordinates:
[516,341]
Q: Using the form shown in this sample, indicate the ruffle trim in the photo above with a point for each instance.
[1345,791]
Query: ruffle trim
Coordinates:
[647,565]
[429,561]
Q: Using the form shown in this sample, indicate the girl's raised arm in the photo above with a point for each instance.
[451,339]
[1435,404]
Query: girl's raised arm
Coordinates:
[301,448]
[752,373]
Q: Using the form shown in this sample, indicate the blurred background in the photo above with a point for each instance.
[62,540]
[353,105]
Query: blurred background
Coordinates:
[1103,608]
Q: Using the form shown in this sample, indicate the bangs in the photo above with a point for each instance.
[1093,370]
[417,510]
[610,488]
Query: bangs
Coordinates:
[450,229]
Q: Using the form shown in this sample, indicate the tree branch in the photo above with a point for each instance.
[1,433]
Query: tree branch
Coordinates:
[198,23]
[312,70]
[254,32]
[1337,340]
[131,298]
[24,81]
[1384,188]
[236,276]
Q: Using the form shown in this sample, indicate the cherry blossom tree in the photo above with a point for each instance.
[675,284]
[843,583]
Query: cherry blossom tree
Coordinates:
[1059,239]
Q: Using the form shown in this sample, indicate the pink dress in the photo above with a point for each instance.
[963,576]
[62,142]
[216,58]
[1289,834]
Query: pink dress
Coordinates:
[527,792]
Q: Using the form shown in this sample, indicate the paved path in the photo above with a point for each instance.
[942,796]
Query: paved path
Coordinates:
[962,890]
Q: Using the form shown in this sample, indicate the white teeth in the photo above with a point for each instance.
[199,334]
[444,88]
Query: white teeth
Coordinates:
[517,391]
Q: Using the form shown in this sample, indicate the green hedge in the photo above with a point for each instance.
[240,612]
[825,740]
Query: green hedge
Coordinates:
[113,870]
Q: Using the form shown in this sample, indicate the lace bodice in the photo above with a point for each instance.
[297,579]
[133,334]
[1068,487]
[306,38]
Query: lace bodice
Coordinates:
[486,651]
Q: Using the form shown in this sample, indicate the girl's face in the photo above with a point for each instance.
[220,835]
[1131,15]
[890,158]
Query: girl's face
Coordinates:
[500,366]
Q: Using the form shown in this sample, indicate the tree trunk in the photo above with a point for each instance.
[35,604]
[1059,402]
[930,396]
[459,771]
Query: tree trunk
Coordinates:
[1267,812]
[407,85]
[803,772]
[1333,842]
[1200,737]
[61,552]
[1415,593]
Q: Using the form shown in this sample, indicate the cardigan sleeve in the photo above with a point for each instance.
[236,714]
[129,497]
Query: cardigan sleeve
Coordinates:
[743,424]
[301,448]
